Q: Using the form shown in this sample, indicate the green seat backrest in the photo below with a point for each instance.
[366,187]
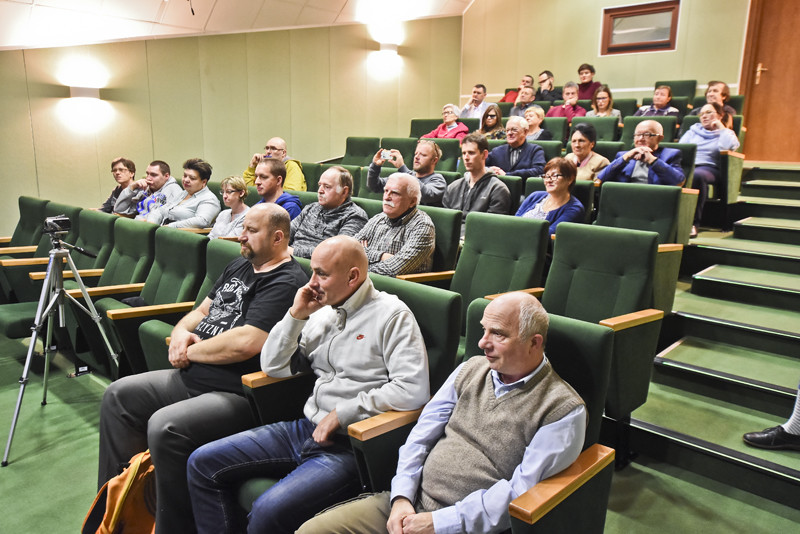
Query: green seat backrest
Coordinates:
[500,253]
[132,255]
[252,196]
[583,190]
[312,172]
[688,155]
[406,145]
[471,124]
[626,106]
[219,253]
[448,236]
[558,126]
[505,108]
[306,197]
[515,188]
[680,88]
[629,126]
[364,190]
[438,314]
[420,127]
[370,205]
[96,236]
[609,149]
[591,280]
[580,353]
[544,104]
[451,176]
[606,127]
[359,151]
[653,208]
[178,267]
[552,149]
[451,154]
[216,188]
[29,227]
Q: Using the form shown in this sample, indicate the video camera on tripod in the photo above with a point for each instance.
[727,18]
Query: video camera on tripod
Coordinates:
[57,226]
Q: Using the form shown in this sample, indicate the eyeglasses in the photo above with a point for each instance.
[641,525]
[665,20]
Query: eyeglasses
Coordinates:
[513,130]
[448,112]
[227,191]
[491,116]
[645,134]
[272,149]
[551,177]
[602,98]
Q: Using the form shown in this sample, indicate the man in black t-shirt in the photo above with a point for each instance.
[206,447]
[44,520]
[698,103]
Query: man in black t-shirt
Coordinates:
[174,411]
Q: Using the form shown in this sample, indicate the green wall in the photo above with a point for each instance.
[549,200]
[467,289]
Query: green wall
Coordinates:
[504,39]
[216,97]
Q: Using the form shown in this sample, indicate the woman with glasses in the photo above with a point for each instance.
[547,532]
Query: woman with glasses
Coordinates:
[535,116]
[603,104]
[450,127]
[230,222]
[123,170]
[555,204]
[582,142]
[711,136]
[492,123]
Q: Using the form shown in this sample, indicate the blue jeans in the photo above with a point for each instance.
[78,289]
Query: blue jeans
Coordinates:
[311,477]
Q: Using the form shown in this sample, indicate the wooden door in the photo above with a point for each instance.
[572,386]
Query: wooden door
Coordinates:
[772,106]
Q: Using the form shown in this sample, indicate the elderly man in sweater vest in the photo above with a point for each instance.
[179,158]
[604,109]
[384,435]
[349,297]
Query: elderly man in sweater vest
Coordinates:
[510,402]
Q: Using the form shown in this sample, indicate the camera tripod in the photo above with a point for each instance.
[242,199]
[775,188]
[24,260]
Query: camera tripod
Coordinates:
[50,301]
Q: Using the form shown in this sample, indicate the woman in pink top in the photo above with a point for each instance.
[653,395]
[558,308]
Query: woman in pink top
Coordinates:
[450,128]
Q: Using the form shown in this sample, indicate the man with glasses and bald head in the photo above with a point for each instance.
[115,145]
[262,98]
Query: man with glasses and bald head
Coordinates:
[276,148]
[646,162]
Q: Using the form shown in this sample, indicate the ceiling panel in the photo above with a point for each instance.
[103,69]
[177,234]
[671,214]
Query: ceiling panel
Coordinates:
[224,19]
[179,13]
[312,16]
[139,10]
[278,14]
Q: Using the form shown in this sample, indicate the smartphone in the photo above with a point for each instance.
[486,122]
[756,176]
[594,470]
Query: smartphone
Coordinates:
[386,154]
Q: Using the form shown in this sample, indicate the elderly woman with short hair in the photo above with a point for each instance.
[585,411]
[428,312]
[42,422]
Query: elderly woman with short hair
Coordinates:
[450,127]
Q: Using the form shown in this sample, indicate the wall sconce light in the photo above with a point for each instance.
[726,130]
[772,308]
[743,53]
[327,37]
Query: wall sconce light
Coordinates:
[84,112]
[84,92]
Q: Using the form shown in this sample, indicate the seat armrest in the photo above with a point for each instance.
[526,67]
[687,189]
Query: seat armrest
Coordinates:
[83,273]
[731,153]
[669,247]
[381,423]
[229,238]
[629,320]
[196,230]
[427,277]
[150,311]
[261,379]
[26,249]
[535,291]
[283,400]
[21,262]
[548,493]
[4,240]
[103,291]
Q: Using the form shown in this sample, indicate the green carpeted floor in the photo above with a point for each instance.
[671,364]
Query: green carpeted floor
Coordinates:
[50,481]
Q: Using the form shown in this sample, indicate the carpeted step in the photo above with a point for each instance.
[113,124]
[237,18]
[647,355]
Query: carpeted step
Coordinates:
[752,286]
[776,174]
[771,189]
[775,230]
[711,249]
[781,208]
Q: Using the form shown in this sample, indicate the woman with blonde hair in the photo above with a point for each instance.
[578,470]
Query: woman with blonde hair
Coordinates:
[230,222]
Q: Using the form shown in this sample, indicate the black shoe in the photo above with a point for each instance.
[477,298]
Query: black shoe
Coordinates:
[773,438]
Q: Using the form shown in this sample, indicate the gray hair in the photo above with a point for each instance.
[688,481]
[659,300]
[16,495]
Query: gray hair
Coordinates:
[533,319]
[570,84]
[411,185]
[455,108]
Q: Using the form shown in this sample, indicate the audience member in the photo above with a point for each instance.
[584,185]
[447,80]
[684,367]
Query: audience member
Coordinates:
[720,93]
[172,412]
[570,107]
[710,136]
[646,162]
[523,102]
[312,456]
[402,238]
[270,174]
[123,170]
[511,96]
[555,204]
[660,107]
[468,455]
[156,189]
[450,127]
[492,123]
[197,207]
[230,222]
[603,104]
[475,108]
[781,437]
[275,148]
[517,157]
[588,86]
[589,162]
[426,156]
[547,90]
[534,116]
[480,189]
[334,214]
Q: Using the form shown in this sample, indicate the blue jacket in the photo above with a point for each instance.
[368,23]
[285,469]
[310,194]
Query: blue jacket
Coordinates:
[290,203]
[666,170]
[530,163]
[572,211]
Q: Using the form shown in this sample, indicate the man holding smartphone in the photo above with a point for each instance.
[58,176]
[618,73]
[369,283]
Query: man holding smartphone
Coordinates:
[432,184]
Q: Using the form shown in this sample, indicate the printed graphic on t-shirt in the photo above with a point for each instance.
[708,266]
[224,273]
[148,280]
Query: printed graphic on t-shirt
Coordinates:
[226,309]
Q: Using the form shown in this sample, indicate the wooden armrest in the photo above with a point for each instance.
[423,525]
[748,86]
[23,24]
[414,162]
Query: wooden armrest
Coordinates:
[535,291]
[83,273]
[168,339]
[17,262]
[196,230]
[19,250]
[260,378]
[547,494]
[629,320]
[147,311]
[229,238]
[427,277]
[6,239]
[107,290]
[381,423]
[731,153]
[669,247]
[690,191]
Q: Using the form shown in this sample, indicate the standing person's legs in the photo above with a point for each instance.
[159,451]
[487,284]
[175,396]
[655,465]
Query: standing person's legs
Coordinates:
[364,515]
[127,405]
[173,433]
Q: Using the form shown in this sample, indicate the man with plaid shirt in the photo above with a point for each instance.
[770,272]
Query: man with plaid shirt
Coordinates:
[401,239]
